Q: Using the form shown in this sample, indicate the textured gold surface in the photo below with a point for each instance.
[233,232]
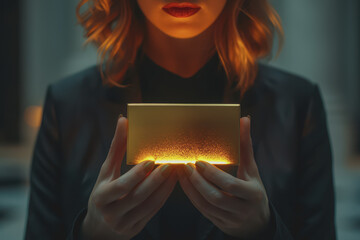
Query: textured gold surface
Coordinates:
[181,133]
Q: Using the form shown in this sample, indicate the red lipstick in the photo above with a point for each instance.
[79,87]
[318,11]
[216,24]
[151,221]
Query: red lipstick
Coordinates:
[181,10]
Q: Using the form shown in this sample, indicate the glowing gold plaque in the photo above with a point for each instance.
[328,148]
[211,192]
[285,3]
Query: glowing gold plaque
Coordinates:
[183,133]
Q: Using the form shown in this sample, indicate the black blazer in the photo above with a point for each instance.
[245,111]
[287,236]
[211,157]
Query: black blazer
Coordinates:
[290,141]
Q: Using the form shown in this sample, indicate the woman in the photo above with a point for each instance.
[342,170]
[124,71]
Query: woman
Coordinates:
[205,52]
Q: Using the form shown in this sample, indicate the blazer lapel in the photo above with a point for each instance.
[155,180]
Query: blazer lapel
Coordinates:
[115,103]
[117,99]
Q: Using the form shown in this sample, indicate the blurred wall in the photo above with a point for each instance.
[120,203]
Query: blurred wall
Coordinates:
[52,48]
[322,44]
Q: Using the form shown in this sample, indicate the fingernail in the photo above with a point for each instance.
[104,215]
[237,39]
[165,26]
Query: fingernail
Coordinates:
[166,170]
[149,166]
[200,166]
[189,169]
[120,116]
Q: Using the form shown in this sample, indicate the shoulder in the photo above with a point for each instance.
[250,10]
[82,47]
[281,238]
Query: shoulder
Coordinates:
[75,96]
[284,84]
[77,87]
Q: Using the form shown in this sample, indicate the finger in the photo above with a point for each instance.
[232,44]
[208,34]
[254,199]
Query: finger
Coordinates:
[140,215]
[210,192]
[217,215]
[144,189]
[114,190]
[247,167]
[223,180]
[112,163]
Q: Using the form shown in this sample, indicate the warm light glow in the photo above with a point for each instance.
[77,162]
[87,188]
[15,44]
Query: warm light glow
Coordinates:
[185,161]
[33,115]
[172,160]
[182,151]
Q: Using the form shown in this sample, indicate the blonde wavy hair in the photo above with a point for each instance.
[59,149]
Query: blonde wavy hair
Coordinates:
[244,33]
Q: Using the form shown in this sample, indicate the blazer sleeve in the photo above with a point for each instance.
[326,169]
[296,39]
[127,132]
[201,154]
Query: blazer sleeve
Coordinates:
[314,209]
[314,206]
[44,217]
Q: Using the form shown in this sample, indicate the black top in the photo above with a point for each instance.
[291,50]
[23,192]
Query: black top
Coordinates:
[159,85]
[290,139]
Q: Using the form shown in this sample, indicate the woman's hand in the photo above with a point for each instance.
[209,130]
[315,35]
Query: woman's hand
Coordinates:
[120,206]
[238,206]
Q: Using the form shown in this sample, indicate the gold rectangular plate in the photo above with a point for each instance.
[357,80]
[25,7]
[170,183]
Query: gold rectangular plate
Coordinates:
[182,133]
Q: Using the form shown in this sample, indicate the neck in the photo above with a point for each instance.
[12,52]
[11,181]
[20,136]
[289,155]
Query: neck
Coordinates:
[183,57]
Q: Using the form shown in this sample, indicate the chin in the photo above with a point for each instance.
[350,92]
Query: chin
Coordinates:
[182,33]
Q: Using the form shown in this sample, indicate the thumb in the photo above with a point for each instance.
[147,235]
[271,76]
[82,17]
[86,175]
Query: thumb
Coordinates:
[112,163]
[247,166]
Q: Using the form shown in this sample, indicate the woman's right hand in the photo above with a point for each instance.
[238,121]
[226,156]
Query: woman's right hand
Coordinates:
[120,205]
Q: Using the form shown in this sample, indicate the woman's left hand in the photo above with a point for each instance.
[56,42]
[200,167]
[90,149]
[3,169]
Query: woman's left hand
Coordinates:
[236,205]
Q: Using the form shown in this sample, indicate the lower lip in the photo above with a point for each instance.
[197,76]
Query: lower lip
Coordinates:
[181,12]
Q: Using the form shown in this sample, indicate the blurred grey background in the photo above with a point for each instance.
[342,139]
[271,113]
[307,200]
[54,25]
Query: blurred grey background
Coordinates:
[41,43]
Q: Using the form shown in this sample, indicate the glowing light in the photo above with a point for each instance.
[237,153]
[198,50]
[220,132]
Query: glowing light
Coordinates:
[166,161]
[185,161]
[185,151]
[33,115]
